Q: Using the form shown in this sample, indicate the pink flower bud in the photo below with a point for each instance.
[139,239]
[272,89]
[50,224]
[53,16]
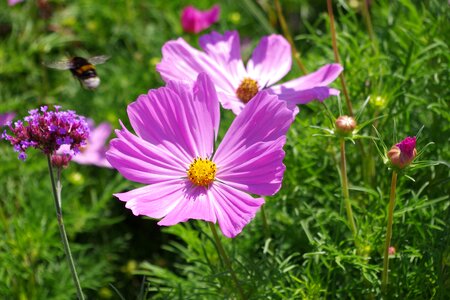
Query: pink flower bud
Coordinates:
[345,125]
[403,153]
[194,20]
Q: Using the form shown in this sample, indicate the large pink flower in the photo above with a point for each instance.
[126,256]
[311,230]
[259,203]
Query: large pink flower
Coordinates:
[236,84]
[173,154]
[194,20]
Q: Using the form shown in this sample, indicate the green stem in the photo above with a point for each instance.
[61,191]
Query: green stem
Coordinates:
[368,21]
[226,260]
[384,278]
[288,36]
[348,205]
[336,57]
[56,189]
[264,220]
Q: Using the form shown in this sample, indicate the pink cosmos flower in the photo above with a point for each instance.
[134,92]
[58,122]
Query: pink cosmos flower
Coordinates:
[6,117]
[94,153]
[194,20]
[173,153]
[236,85]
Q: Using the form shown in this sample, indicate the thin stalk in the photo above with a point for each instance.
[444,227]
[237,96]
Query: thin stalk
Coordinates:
[226,260]
[56,189]
[368,21]
[348,205]
[384,278]
[336,57]
[264,220]
[288,36]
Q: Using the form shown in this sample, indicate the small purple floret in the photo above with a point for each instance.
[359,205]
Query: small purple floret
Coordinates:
[407,146]
[47,131]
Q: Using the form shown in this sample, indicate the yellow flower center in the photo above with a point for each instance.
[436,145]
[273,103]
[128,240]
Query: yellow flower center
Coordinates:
[247,89]
[202,172]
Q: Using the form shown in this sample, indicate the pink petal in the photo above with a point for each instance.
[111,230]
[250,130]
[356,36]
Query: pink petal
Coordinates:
[182,62]
[201,106]
[206,108]
[156,200]
[250,156]
[164,119]
[89,157]
[225,50]
[196,204]
[99,135]
[313,86]
[194,20]
[271,60]
[6,117]
[230,101]
[14,2]
[140,161]
[234,209]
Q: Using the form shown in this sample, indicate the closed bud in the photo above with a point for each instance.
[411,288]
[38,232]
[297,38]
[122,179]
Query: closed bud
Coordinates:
[403,153]
[345,125]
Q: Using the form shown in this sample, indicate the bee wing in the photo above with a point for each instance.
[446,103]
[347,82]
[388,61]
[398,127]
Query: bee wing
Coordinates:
[60,65]
[96,60]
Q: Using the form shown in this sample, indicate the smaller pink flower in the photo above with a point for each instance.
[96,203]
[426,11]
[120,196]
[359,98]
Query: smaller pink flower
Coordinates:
[403,153]
[6,117]
[194,20]
[14,2]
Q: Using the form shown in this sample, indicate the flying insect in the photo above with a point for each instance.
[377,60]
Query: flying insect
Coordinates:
[81,68]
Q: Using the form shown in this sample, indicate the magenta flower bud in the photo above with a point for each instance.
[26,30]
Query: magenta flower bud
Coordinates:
[403,153]
[345,125]
[194,20]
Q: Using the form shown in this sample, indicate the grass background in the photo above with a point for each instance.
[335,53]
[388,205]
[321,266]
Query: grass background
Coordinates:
[309,252]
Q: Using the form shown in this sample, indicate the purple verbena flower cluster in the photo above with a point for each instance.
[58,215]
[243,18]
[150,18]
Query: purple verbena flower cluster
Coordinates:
[47,131]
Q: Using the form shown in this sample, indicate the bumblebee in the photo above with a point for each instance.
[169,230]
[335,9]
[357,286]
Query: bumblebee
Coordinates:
[83,69]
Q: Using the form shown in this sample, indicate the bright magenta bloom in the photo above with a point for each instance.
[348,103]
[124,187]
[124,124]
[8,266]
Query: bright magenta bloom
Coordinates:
[236,85]
[94,153]
[403,153]
[194,20]
[173,154]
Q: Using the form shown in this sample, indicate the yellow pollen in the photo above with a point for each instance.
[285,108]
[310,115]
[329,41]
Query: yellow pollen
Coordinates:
[202,172]
[247,89]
